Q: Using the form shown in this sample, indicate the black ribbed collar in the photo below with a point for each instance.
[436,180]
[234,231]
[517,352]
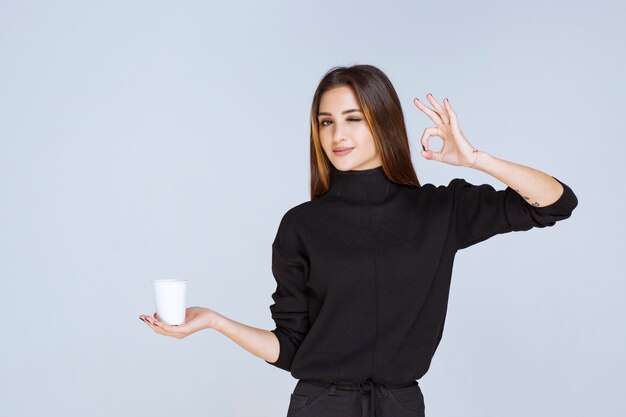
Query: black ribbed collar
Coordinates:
[367,186]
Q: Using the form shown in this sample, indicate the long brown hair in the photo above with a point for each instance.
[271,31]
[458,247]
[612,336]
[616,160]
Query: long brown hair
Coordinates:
[383,113]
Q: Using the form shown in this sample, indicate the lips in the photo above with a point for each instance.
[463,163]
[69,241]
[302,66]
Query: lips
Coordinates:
[342,150]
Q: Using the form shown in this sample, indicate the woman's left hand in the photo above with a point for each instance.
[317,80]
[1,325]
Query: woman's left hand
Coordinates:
[456,148]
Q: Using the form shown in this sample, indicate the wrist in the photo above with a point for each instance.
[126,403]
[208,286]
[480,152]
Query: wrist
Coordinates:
[481,159]
[215,321]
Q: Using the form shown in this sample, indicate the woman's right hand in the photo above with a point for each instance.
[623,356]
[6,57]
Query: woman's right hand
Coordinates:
[196,318]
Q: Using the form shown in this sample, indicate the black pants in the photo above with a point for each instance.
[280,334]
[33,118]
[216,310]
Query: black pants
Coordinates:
[364,399]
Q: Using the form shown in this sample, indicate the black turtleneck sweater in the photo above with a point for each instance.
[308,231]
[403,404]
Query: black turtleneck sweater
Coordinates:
[363,272]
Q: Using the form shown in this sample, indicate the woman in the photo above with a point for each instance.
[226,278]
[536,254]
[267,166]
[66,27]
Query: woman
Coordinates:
[363,270]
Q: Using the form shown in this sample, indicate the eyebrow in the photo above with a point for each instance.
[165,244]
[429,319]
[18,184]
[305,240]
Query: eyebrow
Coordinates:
[343,112]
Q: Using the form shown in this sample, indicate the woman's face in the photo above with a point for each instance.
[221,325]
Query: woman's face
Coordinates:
[340,130]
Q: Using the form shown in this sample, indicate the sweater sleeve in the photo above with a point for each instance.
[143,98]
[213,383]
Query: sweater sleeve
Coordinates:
[290,311]
[482,212]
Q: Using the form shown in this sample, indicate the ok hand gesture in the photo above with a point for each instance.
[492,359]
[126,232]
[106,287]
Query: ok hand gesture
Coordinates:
[456,149]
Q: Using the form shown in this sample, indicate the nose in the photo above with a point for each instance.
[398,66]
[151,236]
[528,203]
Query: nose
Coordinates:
[338,134]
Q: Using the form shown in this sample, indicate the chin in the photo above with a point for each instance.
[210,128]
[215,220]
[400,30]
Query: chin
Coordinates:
[345,165]
[356,166]
[348,162]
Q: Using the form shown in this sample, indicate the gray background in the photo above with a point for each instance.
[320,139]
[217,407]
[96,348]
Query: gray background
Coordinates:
[149,139]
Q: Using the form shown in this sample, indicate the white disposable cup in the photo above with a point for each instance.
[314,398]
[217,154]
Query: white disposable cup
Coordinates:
[170,299]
